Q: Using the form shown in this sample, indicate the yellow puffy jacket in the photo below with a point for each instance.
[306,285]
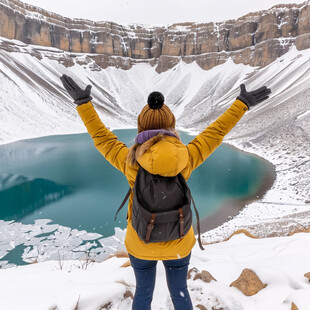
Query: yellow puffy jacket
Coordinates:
[166,157]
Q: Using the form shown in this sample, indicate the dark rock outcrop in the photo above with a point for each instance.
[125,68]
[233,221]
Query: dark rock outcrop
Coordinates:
[256,39]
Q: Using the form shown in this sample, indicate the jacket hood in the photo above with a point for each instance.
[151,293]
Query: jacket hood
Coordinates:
[164,155]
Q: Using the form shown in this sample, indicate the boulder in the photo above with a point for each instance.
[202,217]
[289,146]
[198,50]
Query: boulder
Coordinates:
[248,283]
[294,307]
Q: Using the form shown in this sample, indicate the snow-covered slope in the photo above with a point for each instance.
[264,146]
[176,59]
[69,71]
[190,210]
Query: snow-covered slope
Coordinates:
[34,102]
[280,263]
[33,97]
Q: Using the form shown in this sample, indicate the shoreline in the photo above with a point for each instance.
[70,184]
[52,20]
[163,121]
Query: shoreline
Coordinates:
[232,207]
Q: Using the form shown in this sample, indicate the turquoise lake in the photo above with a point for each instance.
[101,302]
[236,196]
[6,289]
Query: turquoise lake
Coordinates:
[65,179]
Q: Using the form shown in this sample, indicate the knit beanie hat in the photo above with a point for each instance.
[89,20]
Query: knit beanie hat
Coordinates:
[155,115]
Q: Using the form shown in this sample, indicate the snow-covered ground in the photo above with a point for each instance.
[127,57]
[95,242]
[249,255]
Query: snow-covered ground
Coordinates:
[33,103]
[279,131]
[279,262]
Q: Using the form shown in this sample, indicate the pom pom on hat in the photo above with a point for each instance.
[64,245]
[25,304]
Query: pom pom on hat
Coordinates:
[156,114]
[155,100]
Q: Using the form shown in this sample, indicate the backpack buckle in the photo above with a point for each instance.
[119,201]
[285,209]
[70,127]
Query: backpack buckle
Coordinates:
[150,228]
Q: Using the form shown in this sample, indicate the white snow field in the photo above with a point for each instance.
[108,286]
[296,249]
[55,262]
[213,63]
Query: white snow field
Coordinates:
[34,103]
[279,262]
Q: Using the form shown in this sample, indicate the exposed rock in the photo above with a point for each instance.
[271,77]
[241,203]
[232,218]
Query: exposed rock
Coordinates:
[202,307]
[294,307]
[248,283]
[197,276]
[128,294]
[256,39]
[205,276]
[126,264]
[307,275]
[106,306]
[241,231]
[191,272]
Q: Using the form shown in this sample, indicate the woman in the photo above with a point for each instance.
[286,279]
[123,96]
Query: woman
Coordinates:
[158,150]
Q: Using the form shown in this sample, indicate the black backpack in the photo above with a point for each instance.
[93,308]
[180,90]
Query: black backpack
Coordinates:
[161,208]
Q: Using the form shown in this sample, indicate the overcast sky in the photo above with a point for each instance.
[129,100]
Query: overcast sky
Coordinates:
[156,11]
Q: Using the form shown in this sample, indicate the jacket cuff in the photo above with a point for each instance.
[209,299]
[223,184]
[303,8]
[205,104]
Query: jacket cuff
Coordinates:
[243,100]
[240,104]
[84,107]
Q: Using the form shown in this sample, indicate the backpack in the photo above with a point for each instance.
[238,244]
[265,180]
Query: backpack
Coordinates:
[161,208]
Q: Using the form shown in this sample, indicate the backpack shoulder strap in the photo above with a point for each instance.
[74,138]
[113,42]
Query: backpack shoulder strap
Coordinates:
[196,212]
[198,224]
[123,203]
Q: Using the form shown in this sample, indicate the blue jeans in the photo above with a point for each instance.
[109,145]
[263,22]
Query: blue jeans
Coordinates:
[176,274]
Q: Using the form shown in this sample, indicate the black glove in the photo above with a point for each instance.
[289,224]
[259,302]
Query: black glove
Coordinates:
[79,95]
[253,97]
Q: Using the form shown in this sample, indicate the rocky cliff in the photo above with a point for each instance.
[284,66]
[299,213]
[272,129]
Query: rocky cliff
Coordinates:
[256,39]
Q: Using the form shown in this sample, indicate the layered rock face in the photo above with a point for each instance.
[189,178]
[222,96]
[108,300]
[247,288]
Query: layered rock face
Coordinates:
[256,39]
